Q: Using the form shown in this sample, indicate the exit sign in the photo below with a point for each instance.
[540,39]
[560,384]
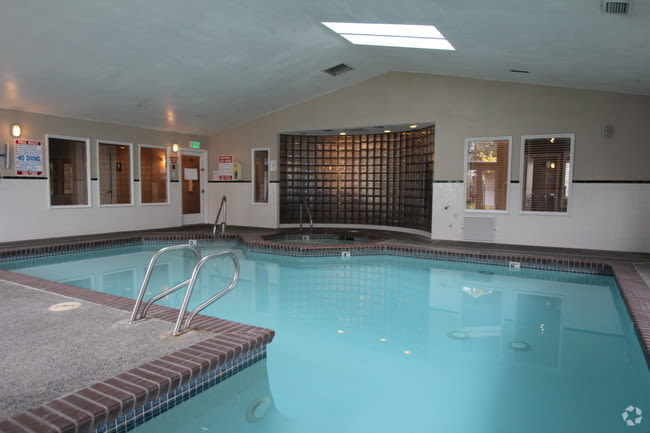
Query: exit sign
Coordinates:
[195,144]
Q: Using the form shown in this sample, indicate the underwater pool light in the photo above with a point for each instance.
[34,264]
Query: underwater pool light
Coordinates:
[521,346]
[457,335]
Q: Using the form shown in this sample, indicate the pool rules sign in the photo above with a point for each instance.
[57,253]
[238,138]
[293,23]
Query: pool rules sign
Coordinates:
[29,157]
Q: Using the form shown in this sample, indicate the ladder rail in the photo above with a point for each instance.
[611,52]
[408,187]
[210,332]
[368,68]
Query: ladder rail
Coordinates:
[161,295]
[180,327]
[222,206]
[304,205]
[145,282]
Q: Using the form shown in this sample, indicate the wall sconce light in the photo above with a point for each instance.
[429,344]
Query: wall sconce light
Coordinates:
[16,130]
[175,147]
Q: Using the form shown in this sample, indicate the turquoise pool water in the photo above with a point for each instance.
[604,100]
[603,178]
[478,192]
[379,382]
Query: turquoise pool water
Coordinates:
[390,344]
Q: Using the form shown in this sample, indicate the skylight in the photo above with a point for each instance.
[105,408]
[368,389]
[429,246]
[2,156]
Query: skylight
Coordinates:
[392,35]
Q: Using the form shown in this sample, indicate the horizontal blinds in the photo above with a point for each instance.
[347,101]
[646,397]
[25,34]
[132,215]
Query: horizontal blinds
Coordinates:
[546,174]
[487,174]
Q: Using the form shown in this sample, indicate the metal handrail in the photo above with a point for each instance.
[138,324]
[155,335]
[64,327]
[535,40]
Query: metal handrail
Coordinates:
[147,277]
[179,328]
[309,215]
[224,206]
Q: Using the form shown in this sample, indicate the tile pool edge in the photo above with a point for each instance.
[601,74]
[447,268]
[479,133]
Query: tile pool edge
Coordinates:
[93,407]
[636,295]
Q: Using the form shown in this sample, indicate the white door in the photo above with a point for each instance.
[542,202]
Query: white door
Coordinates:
[194,184]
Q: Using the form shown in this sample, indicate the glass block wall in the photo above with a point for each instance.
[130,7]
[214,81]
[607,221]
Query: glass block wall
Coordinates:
[378,179]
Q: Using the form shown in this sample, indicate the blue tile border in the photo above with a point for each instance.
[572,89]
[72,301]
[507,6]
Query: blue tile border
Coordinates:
[181,394]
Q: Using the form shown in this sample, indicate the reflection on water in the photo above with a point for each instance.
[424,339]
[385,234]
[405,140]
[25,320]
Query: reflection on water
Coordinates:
[386,344]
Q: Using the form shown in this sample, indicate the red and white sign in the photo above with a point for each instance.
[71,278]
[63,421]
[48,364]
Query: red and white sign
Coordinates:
[29,157]
[225,167]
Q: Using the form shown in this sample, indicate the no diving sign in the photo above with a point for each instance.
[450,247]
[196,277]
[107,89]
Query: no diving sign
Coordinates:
[29,157]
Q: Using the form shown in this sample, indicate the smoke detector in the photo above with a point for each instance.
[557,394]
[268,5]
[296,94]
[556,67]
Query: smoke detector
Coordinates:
[615,7]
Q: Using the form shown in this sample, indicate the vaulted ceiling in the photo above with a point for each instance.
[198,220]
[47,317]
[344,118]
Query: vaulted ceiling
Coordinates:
[202,66]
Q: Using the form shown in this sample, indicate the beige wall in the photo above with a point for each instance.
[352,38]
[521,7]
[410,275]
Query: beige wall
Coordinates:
[26,213]
[601,215]
[36,126]
[464,108]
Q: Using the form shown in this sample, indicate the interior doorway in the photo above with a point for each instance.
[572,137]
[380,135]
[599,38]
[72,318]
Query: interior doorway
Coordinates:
[194,183]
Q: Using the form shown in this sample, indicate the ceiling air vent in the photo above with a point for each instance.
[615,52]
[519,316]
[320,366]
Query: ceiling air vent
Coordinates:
[615,8]
[338,69]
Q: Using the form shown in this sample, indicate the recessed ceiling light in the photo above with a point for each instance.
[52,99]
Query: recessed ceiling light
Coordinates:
[387,131]
[342,133]
[413,126]
[392,35]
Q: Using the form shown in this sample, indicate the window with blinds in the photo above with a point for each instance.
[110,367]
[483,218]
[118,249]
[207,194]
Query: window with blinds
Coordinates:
[115,174]
[547,166]
[153,174]
[487,173]
[69,171]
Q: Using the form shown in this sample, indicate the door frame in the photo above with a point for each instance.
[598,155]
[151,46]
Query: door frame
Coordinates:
[200,218]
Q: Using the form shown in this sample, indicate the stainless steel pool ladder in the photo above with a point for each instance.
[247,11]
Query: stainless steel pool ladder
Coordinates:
[223,206]
[309,215]
[181,324]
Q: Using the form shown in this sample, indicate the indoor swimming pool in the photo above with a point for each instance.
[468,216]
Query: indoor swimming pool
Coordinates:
[387,343]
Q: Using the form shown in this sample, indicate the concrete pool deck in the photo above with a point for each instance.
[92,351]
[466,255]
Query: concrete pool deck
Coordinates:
[76,370]
[150,376]
[52,350]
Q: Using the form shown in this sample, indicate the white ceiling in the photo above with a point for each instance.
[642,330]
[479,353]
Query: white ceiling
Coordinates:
[202,66]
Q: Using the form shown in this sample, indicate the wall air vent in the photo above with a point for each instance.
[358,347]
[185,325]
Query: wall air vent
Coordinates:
[615,7]
[338,69]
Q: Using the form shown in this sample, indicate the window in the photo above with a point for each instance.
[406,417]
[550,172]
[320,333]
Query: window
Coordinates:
[546,169]
[153,174]
[260,176]
[115,174]
[69,171]
[487,173]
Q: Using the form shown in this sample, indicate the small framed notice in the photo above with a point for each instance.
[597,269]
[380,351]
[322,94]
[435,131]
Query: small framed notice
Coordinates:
[225,167]
[29,157]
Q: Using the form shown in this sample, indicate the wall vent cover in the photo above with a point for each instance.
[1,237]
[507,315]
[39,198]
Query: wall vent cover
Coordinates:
[338,69]
[479,229]
[615,7]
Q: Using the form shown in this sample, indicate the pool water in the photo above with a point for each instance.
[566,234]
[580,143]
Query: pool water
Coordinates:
[390,344]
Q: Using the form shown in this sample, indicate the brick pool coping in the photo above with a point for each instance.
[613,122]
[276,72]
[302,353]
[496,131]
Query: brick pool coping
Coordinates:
[234,339]
[87,409]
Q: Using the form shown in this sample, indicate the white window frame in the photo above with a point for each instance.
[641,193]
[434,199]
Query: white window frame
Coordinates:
[522,174]
[132,174]
[466,180]
[89,195]
[268,176]
[140,146]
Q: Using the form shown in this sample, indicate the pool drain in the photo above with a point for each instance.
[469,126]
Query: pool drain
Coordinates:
[65,306]
[258,409]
